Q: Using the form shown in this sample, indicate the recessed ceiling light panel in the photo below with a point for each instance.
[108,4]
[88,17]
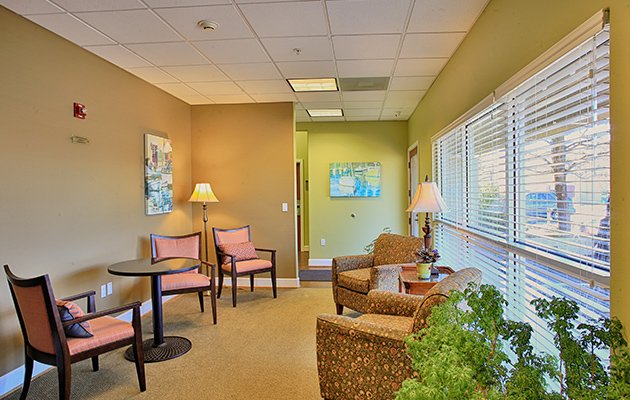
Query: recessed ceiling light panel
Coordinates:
[314,85]
[325,112]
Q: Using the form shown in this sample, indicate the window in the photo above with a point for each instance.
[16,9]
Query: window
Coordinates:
[527,182]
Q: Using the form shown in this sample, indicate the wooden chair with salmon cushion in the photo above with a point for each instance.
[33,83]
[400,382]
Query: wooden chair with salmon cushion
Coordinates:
[237,256]
[186,246]
[44,331]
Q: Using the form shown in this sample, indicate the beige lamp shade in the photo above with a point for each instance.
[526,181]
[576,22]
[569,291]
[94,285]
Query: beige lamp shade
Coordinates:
[203,194]
[427,199]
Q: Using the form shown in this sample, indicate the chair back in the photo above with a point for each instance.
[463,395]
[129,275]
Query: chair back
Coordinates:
[439,293]
[37,312]
[390,248]
[165,247]
[227,236]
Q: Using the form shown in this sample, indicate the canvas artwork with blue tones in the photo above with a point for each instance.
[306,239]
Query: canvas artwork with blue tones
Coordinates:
[355,179]
[158,175]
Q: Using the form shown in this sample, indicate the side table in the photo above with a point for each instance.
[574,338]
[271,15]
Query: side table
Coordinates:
[410,283]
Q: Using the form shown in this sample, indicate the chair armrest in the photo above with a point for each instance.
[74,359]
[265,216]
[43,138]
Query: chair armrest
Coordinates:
[386,277]
[90,295]
[267,250]
[87,317]
[358,357]
[384,302]
[348,263]
[222,254]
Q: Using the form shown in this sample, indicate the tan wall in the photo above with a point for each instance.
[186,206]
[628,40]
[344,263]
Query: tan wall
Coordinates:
[246,152]
[330,218]
[509,35]
[70,210]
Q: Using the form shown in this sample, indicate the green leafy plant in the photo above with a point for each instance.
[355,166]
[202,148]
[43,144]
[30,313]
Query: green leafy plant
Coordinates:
[462,353]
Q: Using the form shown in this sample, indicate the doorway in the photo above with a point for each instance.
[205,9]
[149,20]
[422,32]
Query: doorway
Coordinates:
[412,173]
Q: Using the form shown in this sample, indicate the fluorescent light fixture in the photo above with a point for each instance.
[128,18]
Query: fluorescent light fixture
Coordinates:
[325,112]
[314,85]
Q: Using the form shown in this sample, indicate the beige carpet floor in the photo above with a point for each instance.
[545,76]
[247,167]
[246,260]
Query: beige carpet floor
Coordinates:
[263,349]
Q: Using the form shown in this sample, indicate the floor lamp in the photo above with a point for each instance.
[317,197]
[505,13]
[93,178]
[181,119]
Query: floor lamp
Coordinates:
[203,194]
[427,200]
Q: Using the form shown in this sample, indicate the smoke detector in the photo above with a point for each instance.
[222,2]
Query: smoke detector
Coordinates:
[208,25]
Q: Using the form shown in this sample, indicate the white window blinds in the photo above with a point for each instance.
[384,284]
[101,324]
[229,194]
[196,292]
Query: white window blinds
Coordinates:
[527,182]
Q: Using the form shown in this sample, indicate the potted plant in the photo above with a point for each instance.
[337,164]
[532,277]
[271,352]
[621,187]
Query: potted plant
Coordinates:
[424,261]
[461,354]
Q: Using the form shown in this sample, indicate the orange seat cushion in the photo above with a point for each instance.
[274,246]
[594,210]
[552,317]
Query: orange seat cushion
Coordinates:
[248,266]
[106,330]
[184,280]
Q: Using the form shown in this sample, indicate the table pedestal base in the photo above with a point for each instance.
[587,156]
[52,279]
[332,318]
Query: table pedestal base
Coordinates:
[173,347]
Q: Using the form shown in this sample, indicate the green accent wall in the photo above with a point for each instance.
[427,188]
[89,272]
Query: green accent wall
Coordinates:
[330,218]
[301,153]
[507,36]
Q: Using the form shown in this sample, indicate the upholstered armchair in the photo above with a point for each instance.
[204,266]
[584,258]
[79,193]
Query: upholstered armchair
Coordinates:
[354,276]
[365,357]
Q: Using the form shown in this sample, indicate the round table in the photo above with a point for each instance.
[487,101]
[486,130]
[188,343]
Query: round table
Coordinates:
[160,348]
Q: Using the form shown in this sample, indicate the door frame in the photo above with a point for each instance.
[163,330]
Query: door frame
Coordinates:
[410,150]
[300,189]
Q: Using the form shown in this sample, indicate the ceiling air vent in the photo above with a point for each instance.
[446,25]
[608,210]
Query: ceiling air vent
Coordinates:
[363,84]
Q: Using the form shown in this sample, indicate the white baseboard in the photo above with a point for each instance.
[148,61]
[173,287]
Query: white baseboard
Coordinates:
[263,282]
[15,378]
[320,262]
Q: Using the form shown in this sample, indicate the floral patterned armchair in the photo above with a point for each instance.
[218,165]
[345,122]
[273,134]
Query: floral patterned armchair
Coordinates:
[354,276]
[365,357]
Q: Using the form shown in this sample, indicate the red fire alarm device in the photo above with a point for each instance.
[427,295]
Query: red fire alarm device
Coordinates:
[80,111]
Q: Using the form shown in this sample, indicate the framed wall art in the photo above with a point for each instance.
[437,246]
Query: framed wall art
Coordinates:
[158,175]
[355,179]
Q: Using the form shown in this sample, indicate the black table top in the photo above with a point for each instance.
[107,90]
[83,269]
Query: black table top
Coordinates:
[144,267]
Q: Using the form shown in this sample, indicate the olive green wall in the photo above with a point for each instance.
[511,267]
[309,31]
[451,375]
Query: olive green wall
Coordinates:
[70,210]
[330,218]
[250,164]
[507,36]
[301,153]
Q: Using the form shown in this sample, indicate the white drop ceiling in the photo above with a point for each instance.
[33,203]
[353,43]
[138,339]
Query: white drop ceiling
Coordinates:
[248,58]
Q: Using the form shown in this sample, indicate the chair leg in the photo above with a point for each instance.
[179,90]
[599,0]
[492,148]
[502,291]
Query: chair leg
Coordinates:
[28,374]
[339,309]
[234,292]
[139,358]
[95,363]
[274,286]
[200,294]
[251,282]
[213,296]
[64,375]
[220,284]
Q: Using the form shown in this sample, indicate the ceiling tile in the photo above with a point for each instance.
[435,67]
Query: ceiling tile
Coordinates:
[265,87]
[118,55]
[403,98]
[411,83]
[307,69]
[310,48]
[302,116]
[419,45]
[177,89]
[153,75]
[30,7]
[215,88]
[364,68]
[100,5]
[328,119]
[184,20]
[231,99]
[319,105]
[163,54]
[196,99]
[250,72]
[233,51]
[71,28]
[319,97]
[444,15]
[400,113]
[361,104]
[366,112]
[286,19]
[364,47]
[367,16]
[197,73]
[362,118]
[133,26]
[263,1]
[184,3]
[370,95]
[274,98]
[420,66]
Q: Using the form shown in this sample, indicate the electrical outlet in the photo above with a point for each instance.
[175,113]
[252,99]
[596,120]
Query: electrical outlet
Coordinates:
[322,242]
[103,291]
[110,288]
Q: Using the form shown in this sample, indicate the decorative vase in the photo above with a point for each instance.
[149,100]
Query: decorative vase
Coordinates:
[423,270]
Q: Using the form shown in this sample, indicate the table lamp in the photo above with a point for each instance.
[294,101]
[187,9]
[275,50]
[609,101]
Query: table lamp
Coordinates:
[427,200]
[203,194]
